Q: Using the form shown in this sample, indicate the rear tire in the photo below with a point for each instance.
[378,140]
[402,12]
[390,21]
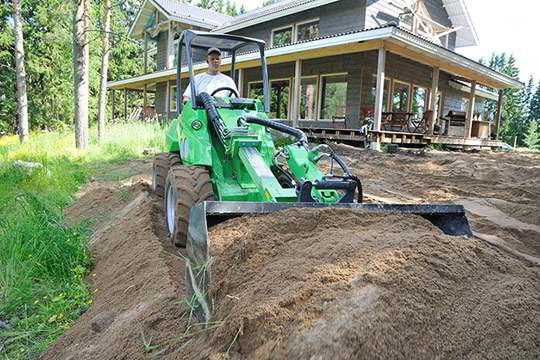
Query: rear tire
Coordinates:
[160,169]
[185,187]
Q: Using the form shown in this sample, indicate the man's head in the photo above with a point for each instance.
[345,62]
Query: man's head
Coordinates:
[213,58]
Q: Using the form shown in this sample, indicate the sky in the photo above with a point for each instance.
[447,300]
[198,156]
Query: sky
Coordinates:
[501,25]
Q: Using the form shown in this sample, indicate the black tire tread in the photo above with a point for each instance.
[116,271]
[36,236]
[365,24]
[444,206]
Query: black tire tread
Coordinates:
[160,170]
[193,185]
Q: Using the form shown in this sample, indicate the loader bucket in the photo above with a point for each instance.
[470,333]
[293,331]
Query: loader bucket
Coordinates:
[450,219]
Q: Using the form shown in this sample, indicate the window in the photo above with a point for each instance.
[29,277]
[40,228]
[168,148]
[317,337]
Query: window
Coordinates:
[307,30]
[419,101]
[400,96]
[173,98]
[279,96]
[333,96]
[256,90]
[279,100]
[373,91]
[282,36]
[308,98]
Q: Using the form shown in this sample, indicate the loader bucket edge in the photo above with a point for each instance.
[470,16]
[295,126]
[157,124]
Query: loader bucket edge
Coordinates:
[449,218]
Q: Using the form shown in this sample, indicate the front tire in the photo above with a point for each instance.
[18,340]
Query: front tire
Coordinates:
[185,187]
[160,169]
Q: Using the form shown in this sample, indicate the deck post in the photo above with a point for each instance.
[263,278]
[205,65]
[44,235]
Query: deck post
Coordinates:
[500,103]
[470,112]
[296,103]
[241,82]
[167,102]
[113,104]
[379,93]
[125,105]
[145,53]
[433,98]
[170,48]
[145,102]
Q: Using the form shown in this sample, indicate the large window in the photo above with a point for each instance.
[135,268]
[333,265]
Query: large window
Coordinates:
[172,99]
[256,90]
[307,30]
[279,96]
[400,97]
[308,98]
[373,91]
[419,101]
[282,36]
[333,96]
[279,106]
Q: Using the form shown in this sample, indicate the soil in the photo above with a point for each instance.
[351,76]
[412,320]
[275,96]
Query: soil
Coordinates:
[321,284]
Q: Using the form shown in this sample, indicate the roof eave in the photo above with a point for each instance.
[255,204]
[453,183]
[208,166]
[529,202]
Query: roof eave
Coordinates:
[439,51]
[272,16]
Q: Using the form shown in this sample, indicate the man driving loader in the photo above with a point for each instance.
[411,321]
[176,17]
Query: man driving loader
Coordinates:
[212,79]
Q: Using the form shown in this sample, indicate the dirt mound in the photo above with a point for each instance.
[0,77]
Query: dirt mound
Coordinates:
[325,284]
[344,284]
[137,298]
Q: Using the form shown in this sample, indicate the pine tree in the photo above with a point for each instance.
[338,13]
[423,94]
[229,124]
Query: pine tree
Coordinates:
[528,93]
[532,138]
[534,112]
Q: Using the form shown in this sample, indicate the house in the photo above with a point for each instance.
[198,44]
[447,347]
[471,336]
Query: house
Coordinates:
[337,65]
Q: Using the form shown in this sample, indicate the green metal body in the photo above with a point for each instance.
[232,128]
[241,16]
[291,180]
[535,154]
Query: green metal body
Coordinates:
[240,166]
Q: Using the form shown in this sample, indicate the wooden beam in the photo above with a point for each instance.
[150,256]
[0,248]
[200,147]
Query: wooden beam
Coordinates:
[145,101]
[379,93]
[450,68]
[470,113]
[170,48]
[125,105]
[500,104]
[113,103]
[145,53]
[296,104]
[433,98]
[241,82]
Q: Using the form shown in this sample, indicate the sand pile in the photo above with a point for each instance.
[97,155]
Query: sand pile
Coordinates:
[340,284]
[323,284]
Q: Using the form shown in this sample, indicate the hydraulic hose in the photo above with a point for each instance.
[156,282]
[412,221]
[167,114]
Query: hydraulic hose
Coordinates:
[213,115]
[298,134]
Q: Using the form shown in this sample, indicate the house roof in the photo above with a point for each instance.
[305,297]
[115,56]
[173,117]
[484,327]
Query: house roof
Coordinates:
[460,17]
[266,13]
[177,11]
[394,39]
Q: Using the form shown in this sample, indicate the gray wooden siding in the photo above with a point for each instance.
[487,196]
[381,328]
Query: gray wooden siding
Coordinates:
[361,68]
[343,16]
[381,12]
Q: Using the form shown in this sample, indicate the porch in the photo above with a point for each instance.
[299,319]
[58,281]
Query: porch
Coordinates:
[372,85]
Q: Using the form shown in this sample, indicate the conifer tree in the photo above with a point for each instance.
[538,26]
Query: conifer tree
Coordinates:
[534,112]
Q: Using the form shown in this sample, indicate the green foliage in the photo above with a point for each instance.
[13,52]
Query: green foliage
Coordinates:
[534,109]
[532,137]
[43,261]
[47,31]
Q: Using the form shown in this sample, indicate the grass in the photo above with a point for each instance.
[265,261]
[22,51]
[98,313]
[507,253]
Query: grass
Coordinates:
[43,261]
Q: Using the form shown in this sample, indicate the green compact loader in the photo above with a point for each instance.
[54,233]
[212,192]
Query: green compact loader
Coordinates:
[222,162]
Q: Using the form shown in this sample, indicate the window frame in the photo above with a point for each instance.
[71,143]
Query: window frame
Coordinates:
[172,101]
[426,95]
[391,103]
[317,78]
[296,25]
[289,95]
[319,91]
[291,26]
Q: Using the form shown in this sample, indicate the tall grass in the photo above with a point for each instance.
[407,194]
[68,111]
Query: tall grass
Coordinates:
[42,261]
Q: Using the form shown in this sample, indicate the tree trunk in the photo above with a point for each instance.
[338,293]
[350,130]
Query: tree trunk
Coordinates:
[22,100]
[104,68]
[80,71]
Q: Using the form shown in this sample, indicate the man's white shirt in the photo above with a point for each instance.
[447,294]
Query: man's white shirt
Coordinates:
[205,82]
